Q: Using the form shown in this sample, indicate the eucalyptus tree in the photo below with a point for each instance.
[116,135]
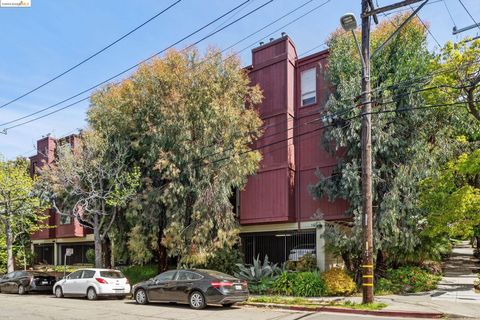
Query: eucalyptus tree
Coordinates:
[188,122]
[406,143]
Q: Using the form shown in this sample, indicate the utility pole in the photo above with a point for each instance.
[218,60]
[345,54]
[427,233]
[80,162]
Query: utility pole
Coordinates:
[368,11]
[366,144]
[349,23]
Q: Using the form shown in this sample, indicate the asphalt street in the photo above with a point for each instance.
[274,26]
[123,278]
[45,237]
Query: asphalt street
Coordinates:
[46,307]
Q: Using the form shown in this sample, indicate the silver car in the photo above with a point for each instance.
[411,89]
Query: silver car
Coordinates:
[92,283]
[299,251]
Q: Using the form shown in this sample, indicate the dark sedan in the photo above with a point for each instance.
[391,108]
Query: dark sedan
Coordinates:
[22,282]
[195,287]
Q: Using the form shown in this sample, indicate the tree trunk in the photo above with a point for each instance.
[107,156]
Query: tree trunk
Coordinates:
[24,256]
[107,252]
[381,264]
[162,255]
[9,235]
[98,243]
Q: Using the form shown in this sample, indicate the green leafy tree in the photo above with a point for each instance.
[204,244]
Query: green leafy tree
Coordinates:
[455,187]
[406,144]
[20,207]
[462,81]
[188,122]
[90,184]
[452,198]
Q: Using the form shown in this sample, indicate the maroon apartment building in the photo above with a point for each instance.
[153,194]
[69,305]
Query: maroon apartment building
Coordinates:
[278,215]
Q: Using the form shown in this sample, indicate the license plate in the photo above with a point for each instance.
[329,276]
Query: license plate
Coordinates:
[44,282]
[118,289]
[238,287]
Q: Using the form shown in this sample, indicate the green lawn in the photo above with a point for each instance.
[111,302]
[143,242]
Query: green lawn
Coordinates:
[298,301]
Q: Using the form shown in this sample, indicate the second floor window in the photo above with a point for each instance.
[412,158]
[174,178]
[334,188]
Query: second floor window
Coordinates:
[65,219]
[308,84]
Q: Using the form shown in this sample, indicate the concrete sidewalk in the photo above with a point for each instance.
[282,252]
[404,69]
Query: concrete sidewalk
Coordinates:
[455,294]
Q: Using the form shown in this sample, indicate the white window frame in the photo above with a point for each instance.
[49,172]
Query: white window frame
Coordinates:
[307,92]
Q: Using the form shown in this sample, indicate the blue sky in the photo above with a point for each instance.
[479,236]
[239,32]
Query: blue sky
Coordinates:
[38,43]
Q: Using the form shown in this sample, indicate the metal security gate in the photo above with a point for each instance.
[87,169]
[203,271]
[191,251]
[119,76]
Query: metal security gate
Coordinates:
[278,246]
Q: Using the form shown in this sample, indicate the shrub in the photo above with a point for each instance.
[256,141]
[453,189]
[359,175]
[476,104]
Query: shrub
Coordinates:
[433,267]
[307,263]
[300,284]
[256,272]
[90,255]
[283,285]
[264,286]
[309,284]
[136,274]
[290,265]
[407,279]
[338,282]
[224,260]
[383,286]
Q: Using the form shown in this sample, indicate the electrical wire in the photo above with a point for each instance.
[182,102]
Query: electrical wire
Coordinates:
[87,90]
[471,17]
[427,28]
[449,13]
[138,64]
[90,57]
[406,9]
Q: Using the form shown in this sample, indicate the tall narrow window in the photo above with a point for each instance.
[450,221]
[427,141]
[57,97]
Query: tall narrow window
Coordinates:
[308,83]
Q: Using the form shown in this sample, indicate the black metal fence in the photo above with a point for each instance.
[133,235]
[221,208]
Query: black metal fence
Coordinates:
[278,246]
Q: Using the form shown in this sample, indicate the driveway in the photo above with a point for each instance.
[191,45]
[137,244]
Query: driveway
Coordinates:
[43,307]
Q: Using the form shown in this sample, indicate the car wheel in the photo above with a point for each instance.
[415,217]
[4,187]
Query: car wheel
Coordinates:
[141,296]
[197,300]
[58,292]
[21,289]
[227,305]
[91,294]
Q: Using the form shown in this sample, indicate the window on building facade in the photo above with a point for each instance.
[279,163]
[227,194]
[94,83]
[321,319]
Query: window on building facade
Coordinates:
[65,219]
[308,84]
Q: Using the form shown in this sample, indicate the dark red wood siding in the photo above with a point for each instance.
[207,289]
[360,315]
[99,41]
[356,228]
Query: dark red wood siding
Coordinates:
[279,191]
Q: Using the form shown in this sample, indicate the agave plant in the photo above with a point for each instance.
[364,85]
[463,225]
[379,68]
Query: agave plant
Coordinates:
[257,271]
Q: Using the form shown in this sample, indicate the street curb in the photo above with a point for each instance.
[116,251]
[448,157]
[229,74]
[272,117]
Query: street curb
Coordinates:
[384,313]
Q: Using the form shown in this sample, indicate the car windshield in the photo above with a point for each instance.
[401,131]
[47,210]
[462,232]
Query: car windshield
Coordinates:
[219,275]
[112,274]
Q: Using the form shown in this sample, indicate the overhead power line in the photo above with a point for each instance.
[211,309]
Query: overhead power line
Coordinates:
[91,56]
[111,78]
[135,66]
[449,13]
[427,28]
[468,12]
[413,80]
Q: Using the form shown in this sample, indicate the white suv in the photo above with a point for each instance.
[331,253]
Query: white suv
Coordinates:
[92,283]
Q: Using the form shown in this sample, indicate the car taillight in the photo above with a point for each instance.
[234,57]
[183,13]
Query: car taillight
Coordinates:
[221,284]
[127,281]
[101,280]
[244,283]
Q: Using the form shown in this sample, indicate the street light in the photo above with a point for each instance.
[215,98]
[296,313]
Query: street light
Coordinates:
[349,23]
